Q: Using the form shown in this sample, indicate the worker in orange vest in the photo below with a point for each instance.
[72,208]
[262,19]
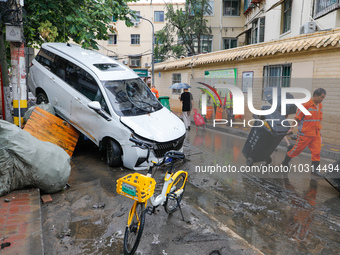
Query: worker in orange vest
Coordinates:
[155,91]
[309,127]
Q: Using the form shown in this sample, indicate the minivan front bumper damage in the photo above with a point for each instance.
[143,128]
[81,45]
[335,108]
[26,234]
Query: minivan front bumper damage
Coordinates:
[160,148]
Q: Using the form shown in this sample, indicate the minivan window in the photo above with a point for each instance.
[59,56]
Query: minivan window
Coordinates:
[80,80]
[131,97]
[46,58]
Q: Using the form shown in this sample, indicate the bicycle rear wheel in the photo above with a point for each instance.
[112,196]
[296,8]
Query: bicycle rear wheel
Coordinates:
[174,197]
[133,232]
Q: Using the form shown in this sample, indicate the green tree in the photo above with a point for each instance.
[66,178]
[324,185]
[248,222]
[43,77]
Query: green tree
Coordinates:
[83,21]
[184,29]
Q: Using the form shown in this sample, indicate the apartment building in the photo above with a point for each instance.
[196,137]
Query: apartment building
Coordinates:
[268,20]
[133,45]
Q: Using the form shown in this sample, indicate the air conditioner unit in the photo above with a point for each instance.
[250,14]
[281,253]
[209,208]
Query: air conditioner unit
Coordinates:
[147,64]
[309,27]
[136,24]
[124,62]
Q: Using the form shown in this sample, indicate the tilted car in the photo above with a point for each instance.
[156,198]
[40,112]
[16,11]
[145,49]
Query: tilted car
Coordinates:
[106,101]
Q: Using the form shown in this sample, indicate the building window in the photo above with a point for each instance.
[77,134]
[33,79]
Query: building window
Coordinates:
[323,7]
[231,8]
[136,19]
[159,16]
[206,44]
[176,78]
[135,61]
[112,39]
[135,39]
[276,76]
[229,43]
[286,16]
[211,8]
[257,31]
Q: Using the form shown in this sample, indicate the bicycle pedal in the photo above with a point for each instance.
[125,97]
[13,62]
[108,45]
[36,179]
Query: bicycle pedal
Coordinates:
[149,210]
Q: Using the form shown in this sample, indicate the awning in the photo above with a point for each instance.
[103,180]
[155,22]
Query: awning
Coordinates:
[245,31]
[275,5]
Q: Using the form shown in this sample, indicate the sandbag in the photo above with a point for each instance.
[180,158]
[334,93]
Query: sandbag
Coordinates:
[25,161]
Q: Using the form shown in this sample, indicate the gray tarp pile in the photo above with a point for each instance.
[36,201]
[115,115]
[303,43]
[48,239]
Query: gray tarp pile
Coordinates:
[25,161]
[47,107]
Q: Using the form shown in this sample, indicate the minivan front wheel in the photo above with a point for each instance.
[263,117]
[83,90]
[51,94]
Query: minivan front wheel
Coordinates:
[42,98]
[113,153]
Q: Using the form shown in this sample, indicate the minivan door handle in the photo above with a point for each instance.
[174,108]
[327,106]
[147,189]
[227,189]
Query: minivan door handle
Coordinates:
[52,78]
[78,99]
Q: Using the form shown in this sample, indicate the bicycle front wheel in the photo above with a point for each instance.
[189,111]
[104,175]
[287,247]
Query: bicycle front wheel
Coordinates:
[174,197]
[134,228]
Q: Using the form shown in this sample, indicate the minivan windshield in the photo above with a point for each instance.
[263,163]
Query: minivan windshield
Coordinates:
[131,97]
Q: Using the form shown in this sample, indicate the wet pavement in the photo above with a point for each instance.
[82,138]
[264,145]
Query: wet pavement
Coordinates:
[227,213]
[290,213]
[90,217]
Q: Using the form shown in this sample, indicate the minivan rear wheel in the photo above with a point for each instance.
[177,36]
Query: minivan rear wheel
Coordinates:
[113,153]
[42,98]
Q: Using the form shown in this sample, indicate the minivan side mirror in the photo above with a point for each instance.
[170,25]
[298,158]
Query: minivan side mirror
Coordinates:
[95,105]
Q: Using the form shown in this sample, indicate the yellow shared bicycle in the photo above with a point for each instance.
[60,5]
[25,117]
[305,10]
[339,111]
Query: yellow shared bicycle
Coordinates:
[141,188]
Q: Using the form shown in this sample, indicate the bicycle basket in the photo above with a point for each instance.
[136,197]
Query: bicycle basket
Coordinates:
[136,186]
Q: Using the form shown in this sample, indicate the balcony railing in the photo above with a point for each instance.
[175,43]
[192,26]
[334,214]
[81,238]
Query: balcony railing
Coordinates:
[249,4]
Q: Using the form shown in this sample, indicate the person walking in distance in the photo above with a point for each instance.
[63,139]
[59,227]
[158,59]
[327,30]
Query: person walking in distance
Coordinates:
[309,127]
[187,102]
[228,104]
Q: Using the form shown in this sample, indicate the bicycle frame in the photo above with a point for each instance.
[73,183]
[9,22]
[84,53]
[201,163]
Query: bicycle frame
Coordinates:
[168,179]
[132,212]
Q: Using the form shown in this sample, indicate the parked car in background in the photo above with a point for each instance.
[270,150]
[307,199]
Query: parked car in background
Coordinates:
[106,101]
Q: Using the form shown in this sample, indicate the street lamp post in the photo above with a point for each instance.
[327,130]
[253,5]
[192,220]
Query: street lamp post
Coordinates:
[153,48]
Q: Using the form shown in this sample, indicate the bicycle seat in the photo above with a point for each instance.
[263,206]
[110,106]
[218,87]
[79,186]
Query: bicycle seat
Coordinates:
[175,154]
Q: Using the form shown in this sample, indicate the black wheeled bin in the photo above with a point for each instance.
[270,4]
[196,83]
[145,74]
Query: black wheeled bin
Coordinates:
[264,138]
[262,141]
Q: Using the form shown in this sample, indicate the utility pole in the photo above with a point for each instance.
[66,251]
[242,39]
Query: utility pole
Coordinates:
[5,88]
[14,34]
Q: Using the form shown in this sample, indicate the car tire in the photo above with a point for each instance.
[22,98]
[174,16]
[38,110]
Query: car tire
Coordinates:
[42,98]
[113,153]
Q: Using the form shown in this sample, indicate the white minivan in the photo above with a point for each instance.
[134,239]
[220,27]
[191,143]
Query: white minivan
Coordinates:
[106,101]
